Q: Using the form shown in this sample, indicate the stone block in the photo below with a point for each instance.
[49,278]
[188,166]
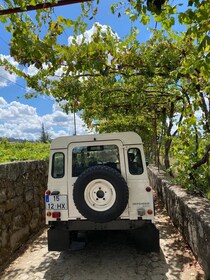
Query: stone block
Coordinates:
[8,205]
[19,188]
[29,195]
[5,252]
[3,196]
[3,171]
[19,237]
[2,209]
[4,238]
[11,193]
[35,219]
[13,170]
[18,222]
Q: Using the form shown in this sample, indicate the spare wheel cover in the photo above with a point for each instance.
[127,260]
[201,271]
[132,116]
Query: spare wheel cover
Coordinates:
[100,194]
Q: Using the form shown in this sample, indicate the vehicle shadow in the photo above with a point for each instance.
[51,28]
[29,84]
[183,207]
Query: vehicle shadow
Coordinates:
[109,255]
[113,255]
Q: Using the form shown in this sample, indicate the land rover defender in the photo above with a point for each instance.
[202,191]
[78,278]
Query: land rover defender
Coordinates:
[99,182]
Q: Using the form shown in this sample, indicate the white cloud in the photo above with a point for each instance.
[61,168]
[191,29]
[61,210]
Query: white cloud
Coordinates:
[15,110]
[31,70]
[5,77]
[22,121]
[2,102]
[86,37]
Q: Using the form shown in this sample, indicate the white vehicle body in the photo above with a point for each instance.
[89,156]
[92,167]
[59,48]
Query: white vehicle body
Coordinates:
[103,193]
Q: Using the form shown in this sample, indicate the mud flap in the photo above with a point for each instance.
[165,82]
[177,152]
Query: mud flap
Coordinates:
[146,238]
[58,239]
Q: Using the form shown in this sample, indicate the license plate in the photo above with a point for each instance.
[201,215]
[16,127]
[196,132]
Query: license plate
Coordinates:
[56,202]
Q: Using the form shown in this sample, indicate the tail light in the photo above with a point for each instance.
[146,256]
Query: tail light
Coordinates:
[149,212]
[148,189]
[56,215]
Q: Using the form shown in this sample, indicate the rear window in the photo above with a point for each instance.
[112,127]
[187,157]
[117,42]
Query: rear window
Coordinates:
[84,157]
[58,165]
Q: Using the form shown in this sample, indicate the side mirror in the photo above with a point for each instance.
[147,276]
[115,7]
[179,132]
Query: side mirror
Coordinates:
[147,162]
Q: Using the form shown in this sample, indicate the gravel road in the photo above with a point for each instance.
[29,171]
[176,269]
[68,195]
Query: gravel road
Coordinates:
[108,256]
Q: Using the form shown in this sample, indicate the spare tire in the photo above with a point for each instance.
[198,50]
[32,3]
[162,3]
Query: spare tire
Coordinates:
[100,194]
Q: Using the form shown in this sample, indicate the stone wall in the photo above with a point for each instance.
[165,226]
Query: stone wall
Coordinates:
[22,188]
[190,214]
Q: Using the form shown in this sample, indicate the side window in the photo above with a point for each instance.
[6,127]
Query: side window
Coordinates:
[135,161]
[58,165]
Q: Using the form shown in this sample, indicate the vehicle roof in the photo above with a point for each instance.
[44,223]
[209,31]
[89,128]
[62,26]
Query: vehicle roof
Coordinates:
[128,138]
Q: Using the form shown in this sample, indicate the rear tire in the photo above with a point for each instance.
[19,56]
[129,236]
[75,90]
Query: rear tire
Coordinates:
[100,194]
[146,238]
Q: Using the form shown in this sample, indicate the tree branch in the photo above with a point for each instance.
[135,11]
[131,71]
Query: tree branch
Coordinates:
[203,160]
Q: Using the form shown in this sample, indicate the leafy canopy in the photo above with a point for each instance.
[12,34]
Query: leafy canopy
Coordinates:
[159,88]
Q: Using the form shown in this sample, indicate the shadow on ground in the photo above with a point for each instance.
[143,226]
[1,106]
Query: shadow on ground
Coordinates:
[109,255]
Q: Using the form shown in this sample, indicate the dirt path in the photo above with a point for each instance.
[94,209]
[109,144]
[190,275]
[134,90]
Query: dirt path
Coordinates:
[109,256]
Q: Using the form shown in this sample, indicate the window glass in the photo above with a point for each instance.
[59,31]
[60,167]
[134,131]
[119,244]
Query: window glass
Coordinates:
[84,157]
[135,161]
[58,165]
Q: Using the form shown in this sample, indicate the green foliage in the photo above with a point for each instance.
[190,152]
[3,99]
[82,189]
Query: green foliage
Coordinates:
[159,88]
[187,149]
[15,151]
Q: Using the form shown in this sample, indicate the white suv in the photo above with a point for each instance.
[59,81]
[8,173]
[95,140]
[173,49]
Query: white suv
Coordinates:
[99,182]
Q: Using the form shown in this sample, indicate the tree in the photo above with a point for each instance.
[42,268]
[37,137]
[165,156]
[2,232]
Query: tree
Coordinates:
[45,138]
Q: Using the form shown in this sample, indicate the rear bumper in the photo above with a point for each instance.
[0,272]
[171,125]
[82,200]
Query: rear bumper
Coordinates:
[81,225]
[144,233]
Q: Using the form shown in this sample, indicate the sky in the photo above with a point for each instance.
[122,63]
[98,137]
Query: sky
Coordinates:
[22,118]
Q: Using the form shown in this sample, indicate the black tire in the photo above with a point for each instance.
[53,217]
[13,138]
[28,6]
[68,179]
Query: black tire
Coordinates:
[100,194]
[146,238]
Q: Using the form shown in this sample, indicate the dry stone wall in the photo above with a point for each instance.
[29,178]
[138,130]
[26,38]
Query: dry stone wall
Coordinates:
[190,214]
[22,188]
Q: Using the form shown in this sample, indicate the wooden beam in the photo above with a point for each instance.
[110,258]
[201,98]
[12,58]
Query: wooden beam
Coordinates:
[40,6]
